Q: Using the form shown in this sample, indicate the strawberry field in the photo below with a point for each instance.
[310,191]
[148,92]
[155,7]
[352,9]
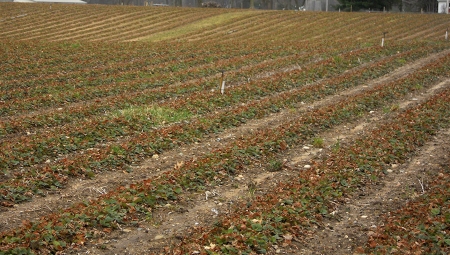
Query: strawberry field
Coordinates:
[117,136]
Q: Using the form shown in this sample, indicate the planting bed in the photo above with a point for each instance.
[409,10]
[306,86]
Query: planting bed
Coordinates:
[117,139]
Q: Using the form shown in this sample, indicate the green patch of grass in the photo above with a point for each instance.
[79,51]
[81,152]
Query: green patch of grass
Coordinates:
[159,115]
[195,26]
[71,45]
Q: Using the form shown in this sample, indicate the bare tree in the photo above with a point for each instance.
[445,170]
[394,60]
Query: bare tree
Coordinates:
[428,5]
[417,5]
[267,4]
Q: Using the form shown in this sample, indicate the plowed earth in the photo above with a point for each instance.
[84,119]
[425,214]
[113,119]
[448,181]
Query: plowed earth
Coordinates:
[357,216]
[354,220]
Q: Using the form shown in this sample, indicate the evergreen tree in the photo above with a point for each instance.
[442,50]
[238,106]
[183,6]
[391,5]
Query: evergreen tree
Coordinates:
[356,5]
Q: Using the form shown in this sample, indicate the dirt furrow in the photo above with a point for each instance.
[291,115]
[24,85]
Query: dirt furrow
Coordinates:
[83,190]
[357,220]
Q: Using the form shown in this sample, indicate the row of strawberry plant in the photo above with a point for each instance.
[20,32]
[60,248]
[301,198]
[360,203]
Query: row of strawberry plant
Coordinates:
[52,174]
[204,103]
[337,31]
[260,33]
[93,57]
[133,16]
[37,158]
[39,18]
[396,23]
[52,23]
[50,20]
[18,124]
[278,63]
[96,63]
[263,33]
[130,204]
[416,26]
[165,24]
[224,29]
[149,26]
[159,75]
[294,207]
[69,30]
[143,31]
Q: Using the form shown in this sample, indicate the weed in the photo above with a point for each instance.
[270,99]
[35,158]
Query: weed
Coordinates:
[71,45]
[275,165]
[337,59]
[401,61]
[317,142]
[392,108]
[418,86]
[292,109]
[336,146]
[251,188]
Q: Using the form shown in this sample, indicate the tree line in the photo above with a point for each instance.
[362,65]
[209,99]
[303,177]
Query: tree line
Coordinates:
[387,5]
[342,5]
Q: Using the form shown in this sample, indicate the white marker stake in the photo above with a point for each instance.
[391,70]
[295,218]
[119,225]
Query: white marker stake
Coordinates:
[222,89]
[446,34]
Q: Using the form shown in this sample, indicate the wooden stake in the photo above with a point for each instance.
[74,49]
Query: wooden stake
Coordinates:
[382,39]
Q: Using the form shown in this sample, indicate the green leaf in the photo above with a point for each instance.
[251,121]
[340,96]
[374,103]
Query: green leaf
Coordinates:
[257,227]
[278,219]
[435,211]
[178,190]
